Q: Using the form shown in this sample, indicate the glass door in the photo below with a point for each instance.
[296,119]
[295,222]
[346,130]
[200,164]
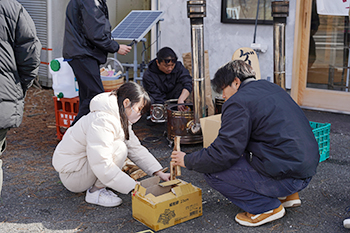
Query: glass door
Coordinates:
[321,66]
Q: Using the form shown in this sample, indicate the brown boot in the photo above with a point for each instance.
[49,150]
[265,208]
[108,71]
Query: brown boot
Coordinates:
[291,200]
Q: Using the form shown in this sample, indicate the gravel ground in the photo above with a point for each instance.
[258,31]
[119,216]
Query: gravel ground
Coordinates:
[34,200]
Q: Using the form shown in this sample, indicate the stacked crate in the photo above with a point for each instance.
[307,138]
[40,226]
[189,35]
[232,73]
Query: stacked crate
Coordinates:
[66,109]
[322,133]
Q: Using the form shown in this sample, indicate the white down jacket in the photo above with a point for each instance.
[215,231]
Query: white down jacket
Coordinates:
[98,138]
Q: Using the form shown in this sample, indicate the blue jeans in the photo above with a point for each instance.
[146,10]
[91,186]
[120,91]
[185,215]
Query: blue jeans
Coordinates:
[251,191]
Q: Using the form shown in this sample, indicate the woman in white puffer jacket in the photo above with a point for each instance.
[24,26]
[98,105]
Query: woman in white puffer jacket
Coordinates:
[92,152]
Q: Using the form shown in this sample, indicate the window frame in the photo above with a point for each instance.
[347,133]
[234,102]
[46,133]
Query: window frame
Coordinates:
[224,18]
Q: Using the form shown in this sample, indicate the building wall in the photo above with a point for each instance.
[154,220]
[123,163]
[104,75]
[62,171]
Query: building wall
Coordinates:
[222,40]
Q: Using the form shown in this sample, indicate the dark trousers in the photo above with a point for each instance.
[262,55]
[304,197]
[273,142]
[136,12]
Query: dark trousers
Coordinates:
[87,73]
[251,191]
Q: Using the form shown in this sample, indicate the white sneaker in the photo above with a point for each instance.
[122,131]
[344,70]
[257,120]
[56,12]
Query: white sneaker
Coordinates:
[346,222]
[103,197]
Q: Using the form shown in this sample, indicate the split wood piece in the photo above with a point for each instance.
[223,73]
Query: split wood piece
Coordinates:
[175,170]
[133,170]
[138,174]
[165,169]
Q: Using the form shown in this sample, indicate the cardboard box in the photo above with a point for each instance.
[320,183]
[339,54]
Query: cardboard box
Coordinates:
[210,128]
[162,205]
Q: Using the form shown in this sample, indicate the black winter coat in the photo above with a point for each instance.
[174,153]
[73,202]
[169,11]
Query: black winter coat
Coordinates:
[263,123]
[88,31]
[158,84]
[19,60]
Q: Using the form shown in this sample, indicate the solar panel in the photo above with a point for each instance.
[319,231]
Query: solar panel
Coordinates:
[136,25]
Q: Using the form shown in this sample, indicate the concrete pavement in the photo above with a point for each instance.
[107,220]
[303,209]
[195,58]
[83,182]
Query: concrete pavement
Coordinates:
[36,201]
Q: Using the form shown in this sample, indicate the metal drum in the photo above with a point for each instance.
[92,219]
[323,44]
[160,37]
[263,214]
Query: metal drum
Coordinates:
[219,101]
[178,124]
[158,113]
[170,103]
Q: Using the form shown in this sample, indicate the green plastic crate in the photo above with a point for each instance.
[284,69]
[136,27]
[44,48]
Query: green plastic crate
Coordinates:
[321,132]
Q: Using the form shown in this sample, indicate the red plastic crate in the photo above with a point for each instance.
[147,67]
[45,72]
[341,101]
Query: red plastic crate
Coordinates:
[66,109]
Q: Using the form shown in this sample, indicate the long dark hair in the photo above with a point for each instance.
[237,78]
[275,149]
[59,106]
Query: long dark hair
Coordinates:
[135,93]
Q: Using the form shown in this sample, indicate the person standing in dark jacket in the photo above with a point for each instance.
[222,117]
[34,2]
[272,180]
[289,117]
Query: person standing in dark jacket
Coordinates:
[265,152]
[19,65]
[166,78]
[87,42]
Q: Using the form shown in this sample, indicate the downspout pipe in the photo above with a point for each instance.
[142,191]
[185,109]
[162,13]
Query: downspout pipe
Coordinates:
[196,11]
[280,12]
[155,30]
[49,19]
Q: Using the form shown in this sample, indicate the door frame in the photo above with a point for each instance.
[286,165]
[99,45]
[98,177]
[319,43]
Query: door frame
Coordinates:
[311,98]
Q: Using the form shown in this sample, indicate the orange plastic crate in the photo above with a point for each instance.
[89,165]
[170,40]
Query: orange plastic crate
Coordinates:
[66,109]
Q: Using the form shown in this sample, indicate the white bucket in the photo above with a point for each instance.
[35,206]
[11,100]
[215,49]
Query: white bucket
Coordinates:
[64,83]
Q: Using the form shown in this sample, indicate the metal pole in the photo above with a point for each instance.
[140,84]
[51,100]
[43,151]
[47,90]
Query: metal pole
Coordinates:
[256,21]
[196,11]
[135,63]
[280,11]
[49,38]
[154,31]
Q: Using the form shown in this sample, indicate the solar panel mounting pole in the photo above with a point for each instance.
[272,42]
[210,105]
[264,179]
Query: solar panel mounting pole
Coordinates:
[133,28]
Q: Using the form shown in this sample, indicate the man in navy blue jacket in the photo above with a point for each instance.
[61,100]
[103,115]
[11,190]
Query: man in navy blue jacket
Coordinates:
[166,78]
[265,152]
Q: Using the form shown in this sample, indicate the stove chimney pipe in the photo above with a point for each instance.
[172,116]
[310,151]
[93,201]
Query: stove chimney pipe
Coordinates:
[196,11]
[280,11]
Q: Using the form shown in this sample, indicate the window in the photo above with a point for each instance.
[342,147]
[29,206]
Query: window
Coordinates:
[244,11]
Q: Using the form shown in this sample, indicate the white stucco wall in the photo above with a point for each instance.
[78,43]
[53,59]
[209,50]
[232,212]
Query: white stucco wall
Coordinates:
[222,40]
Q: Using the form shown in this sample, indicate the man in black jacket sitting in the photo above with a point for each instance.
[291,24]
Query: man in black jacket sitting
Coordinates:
[166,78]
[265,152]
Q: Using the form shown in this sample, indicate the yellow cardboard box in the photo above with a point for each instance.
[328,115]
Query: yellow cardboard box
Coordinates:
[210,128]
[162,205]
